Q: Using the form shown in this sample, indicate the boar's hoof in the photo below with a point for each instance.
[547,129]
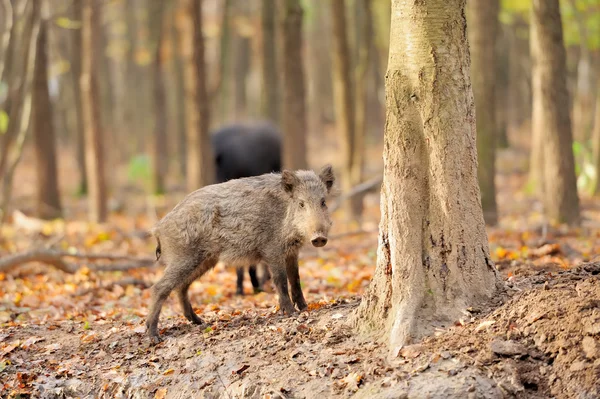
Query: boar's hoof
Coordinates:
[288,310]
[195,319]
[301,305]
[155,339]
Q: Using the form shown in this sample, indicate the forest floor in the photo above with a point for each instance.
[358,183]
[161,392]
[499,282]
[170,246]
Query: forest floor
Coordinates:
[82,334]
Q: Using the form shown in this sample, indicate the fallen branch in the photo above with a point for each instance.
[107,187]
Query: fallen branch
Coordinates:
[353,233]
[359,189]
[123,283]
[57,259]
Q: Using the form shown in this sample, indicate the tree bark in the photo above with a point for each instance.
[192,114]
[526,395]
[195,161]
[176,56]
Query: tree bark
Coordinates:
[200,168]
[433,258]
[596,140]
[343,97]
[270,81]
[483,31]
[76,73]
[294,105]
[552,122]
[241,68]
[159,143]
[47,191]
[90,102]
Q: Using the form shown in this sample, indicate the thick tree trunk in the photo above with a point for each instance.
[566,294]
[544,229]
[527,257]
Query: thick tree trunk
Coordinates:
[179,94]
[76,73]
[343,96]
[552,122]
[90,102]
[433,258]
[483,30]
[294,104]
[47,195]
[159,142]
[200,168]
[596,139]
[270,81]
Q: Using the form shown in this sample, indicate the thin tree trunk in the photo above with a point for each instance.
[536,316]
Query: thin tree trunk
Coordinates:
[502,69]
[179,93]
[483,30]
[364,45]
[20,103]
[90,101]
[75,74]
[294,104]
[270,81]
[159,142]
[221,91]
[200,168]
[583,98]
[552,122]
[240,75]
[343,96]
[433,258]
[47,196]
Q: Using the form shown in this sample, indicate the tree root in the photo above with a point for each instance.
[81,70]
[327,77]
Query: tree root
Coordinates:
[57,259]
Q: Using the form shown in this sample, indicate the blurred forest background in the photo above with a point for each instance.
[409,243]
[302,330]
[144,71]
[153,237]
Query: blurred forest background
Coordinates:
[109,99]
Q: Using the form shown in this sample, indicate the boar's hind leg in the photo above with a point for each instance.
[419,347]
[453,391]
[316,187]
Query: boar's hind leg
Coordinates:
[182,290]
[184,300]
[174,275]
[291,264]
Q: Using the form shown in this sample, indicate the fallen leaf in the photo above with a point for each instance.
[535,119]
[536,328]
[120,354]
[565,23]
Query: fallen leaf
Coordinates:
[10,347]
[168,371]
[160,393]
[241,369]
[30,341]
[353,381]
[484,324]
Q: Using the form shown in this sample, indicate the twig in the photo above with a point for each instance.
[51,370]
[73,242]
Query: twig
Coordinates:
[55,258]
[224,387]
[361,188]
[352,233]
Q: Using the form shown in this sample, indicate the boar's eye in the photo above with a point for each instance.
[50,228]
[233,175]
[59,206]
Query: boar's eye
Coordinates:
[301,204]
[323,203]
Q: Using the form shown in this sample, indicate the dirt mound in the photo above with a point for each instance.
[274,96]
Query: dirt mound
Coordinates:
[542,342]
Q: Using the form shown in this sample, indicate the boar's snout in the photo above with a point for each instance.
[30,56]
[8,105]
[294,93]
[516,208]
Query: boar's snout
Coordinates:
[319,241]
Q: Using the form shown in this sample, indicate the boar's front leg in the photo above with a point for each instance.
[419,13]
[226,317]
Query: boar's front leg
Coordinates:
[278,271]
[291,264]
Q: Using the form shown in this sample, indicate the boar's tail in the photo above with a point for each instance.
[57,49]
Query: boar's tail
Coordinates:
[158,250]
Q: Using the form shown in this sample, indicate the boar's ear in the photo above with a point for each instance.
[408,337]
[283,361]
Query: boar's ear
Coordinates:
[289,180]
[327,177]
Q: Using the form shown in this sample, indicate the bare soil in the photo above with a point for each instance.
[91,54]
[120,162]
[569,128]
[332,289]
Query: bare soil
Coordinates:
[543,340]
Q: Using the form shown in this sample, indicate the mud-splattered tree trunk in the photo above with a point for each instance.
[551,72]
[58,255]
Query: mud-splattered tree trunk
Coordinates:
[551,122]
[47,190]
[483,29]
[433,258]
[200,168]
[90,103]
[294,94]
[270,82]
[160,157]
[343,97]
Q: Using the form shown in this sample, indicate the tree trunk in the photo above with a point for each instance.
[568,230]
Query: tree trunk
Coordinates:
[82,188]
[47,196]
[433,258]
[179,93]
[221,97]
[483,29]
[159,143]
[90,102]
[343,96]
[583,98]
[270,83]
[502,69]
[364,46]
[294,104]
[200,168]
[240,73]
[552,122]
[596,140]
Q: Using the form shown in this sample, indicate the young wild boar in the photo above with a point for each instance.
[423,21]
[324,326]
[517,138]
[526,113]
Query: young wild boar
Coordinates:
[244,221]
